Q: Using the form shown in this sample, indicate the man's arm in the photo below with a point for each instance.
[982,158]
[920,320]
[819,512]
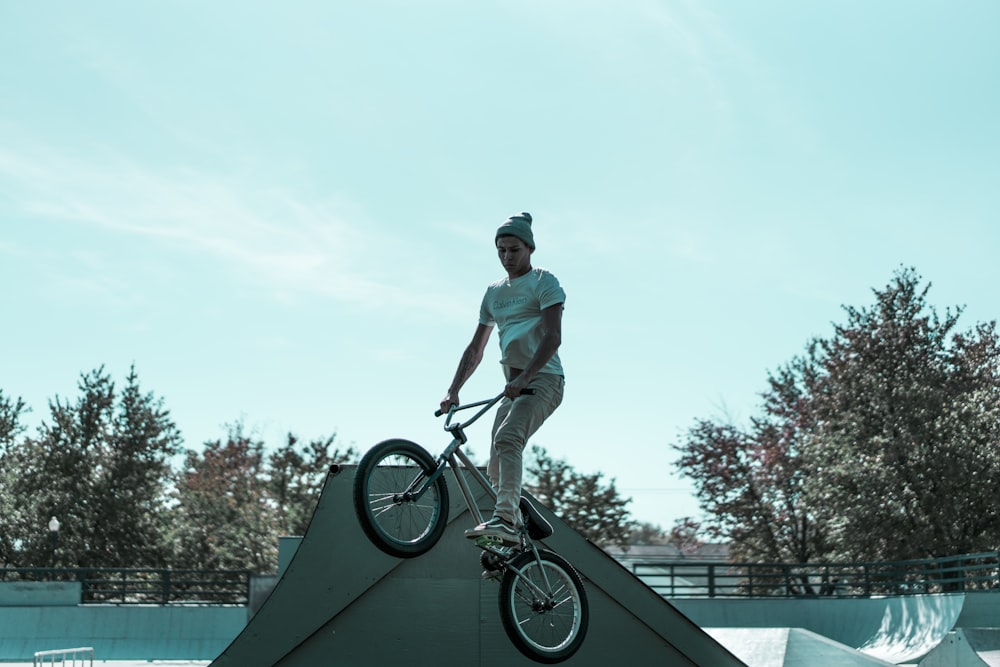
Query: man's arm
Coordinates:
[470,361]
[551,339]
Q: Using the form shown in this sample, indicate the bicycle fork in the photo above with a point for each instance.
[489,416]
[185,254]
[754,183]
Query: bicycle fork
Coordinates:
[546,595]
[451,456]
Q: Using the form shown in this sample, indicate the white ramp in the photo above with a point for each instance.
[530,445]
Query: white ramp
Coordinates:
[899,630]
[790,647]
[966,647]
[912,626]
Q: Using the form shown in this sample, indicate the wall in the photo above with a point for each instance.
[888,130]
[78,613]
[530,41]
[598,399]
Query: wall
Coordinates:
[120,632]
[40,593]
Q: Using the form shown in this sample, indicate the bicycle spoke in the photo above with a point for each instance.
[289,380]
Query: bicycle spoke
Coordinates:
[544,607]
[399,510]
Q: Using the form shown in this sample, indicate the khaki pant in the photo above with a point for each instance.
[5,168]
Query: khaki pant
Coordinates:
[515,422]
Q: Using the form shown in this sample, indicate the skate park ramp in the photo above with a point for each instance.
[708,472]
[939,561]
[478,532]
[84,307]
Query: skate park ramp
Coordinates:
[966,647]
[343,602]
[790,647]
[897,630]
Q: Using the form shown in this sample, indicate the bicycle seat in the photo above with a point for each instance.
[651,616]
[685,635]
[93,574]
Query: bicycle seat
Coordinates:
[538,527]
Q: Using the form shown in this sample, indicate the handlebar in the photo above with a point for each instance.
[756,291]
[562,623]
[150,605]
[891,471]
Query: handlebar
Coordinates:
[527,391]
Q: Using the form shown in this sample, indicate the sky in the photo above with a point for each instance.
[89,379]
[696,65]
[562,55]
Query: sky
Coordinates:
[282,214]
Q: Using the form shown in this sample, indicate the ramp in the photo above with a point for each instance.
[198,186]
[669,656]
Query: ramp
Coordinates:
[120,632]
[894,629]
[790,647]
[343,602]
[966,647]
[912,626]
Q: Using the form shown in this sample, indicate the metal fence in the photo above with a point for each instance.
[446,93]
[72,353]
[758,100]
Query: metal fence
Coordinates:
[82,656]
[145,585]
[677,578]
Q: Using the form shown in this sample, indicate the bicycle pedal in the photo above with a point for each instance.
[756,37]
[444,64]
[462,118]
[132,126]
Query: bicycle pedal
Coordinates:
[489,543]
[494,545]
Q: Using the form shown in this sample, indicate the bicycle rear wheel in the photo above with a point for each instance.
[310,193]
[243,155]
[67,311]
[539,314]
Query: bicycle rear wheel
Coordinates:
[543,609]
[394,518]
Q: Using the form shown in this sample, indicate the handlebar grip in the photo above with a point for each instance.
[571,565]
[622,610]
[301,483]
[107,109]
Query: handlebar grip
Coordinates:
[439,411]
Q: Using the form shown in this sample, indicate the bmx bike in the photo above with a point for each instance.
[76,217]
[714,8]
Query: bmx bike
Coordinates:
[401,500]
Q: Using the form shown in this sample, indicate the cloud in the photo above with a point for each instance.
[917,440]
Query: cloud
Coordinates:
[266,235]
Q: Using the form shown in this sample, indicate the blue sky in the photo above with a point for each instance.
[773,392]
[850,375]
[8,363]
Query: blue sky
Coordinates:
[284,212]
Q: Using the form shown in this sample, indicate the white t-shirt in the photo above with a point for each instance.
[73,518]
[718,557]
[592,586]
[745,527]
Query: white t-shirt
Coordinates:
[515,307]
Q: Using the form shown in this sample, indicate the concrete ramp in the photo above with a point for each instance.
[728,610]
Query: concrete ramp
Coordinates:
[912,626]
[966,647]
[343,602]
[895,629]
[790,647]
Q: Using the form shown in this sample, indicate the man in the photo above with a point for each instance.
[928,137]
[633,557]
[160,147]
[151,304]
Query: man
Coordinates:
[526,307]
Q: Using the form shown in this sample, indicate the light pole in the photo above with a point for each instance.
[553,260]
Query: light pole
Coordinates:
[53,537]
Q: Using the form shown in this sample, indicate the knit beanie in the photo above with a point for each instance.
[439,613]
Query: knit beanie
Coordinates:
[517,225]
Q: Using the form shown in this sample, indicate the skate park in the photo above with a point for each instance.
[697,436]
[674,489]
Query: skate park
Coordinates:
[341,601]
[304,620]
[442,595]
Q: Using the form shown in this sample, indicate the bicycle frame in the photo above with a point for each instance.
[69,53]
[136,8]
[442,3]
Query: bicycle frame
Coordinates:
[453,454]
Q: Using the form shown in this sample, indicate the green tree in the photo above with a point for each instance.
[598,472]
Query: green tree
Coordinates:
[131,490]
[222,515]
[878,443]
[99,465]
[905,421]
[644,533]
[11,411]
[592,508]
[295,480]
[233,500]
[686,536]
[752,482]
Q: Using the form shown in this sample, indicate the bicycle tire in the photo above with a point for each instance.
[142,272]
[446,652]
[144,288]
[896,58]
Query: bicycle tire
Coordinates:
[547,628]
[400,527]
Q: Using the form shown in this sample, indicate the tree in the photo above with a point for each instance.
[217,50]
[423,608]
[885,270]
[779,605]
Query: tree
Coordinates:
[295,480]
[685,535]
[233,501]
[752,482]
[905,426]
[11,411]
[878,443]
[222,517]
[592,508]
[644,533]
[130,491]
[99,465]
[11,427]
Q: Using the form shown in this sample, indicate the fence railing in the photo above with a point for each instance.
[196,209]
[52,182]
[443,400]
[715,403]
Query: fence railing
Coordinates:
[65,657]
[145,585]
[674,579]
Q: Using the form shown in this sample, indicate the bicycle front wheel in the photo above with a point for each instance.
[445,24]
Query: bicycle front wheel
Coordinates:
[543,606]
[395,516]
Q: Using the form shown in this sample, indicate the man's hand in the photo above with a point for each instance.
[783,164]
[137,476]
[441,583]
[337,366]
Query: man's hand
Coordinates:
[449,400]
[514,387]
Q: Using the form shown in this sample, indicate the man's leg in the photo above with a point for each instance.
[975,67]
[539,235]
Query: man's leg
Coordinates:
[493,467]
[522,419]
